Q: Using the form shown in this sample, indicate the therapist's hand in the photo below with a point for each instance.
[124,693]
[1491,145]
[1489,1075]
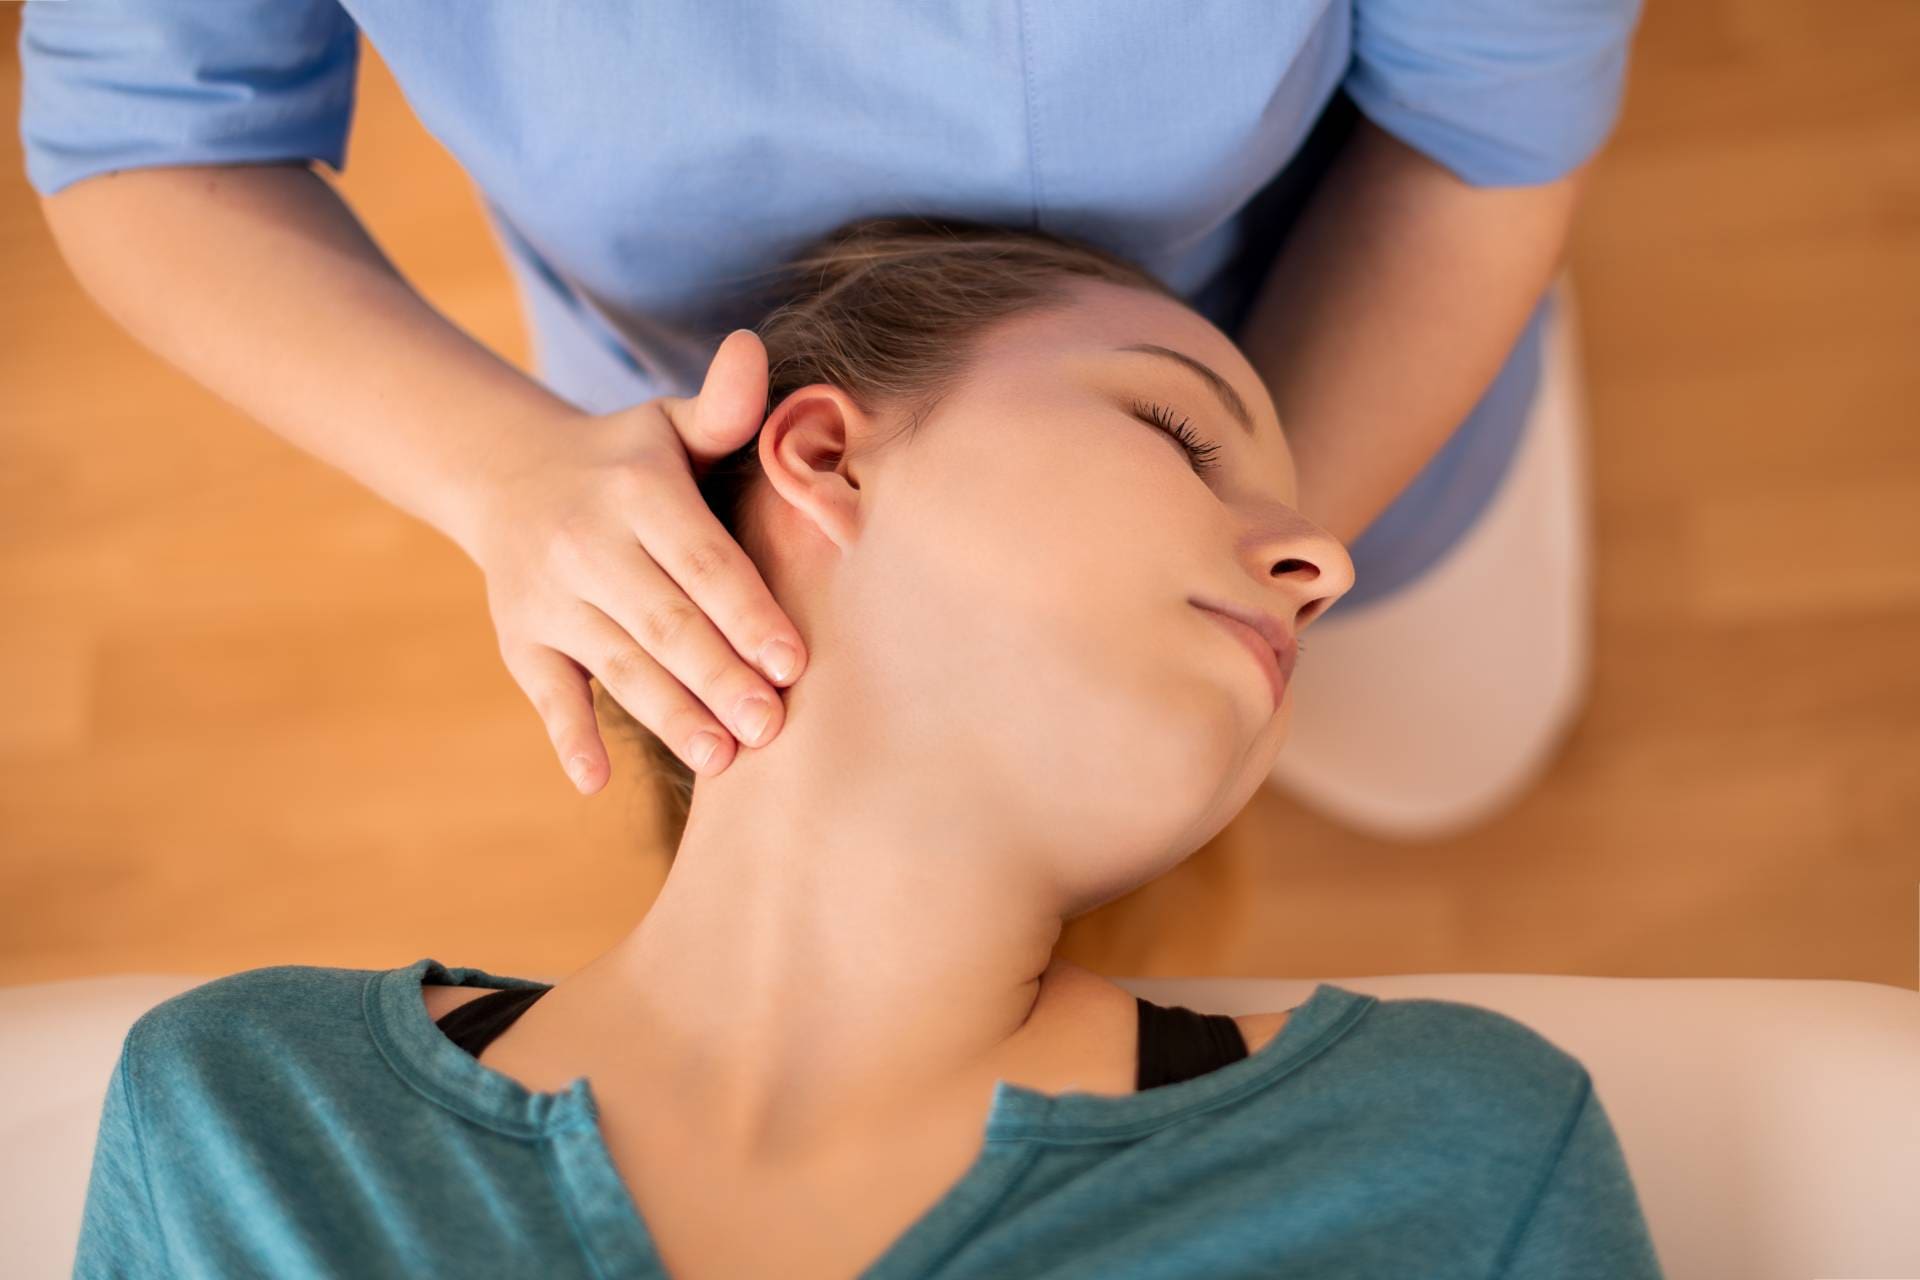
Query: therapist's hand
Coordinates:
[601,557]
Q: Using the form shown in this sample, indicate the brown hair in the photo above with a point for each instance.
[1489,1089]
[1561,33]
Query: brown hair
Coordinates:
[889,310]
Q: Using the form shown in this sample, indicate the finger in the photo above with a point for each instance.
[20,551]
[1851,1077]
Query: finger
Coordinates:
[649,692]
[561,695]
[649,608]
[681,540]
[730,405]
[558,689]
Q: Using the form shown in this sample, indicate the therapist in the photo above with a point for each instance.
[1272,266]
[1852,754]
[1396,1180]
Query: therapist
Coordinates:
[1370,197]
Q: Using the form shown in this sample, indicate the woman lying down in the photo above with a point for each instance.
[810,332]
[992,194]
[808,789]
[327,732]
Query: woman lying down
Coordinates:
[1013,518]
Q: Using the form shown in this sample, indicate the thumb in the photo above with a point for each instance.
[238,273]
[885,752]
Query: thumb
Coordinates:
[732,402]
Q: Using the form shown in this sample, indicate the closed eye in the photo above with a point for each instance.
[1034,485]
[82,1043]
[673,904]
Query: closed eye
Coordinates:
[1200,453]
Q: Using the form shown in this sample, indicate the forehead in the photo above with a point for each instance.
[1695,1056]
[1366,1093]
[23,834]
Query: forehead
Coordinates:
[1083,334]
[1099,315]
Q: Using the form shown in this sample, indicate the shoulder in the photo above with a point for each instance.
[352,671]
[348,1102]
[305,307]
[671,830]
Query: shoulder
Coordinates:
[245,1015]
[270,1069]
[254,990]
[289,1042]
[1422,1048]
[1481,1065]
[1470,1035]
[1423,1084]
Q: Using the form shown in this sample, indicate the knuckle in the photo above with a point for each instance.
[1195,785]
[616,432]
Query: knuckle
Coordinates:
[705,561]
[665,620]
[626,665]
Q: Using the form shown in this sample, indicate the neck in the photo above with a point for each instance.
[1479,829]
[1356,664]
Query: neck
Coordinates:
[848,921]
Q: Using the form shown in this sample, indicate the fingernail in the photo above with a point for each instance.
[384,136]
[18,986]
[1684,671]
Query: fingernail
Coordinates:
[704,745]
[754,715]
[577,769]
[778,659]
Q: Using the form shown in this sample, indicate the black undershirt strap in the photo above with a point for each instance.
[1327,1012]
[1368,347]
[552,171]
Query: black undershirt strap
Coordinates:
[475,1024]
[1176,1043]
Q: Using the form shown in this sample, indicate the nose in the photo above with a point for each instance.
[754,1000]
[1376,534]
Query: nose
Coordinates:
[1311,568]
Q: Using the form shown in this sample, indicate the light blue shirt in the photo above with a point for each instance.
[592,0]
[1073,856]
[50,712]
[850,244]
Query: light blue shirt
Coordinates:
[301,1122]
[639,161]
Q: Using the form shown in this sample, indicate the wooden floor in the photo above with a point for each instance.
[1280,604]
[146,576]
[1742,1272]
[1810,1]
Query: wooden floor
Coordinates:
[251,715]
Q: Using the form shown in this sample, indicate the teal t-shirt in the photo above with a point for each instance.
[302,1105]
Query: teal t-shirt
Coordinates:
[302,1121]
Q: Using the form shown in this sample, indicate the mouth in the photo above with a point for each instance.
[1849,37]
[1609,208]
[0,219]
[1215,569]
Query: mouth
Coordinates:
[1271,644]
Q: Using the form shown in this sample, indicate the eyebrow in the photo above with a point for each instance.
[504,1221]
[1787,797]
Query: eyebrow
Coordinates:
[1235,406]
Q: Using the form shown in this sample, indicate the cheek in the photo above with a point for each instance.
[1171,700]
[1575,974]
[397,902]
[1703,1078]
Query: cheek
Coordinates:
[1063,570]
[1033,599]
[1070,675]
[1053,534]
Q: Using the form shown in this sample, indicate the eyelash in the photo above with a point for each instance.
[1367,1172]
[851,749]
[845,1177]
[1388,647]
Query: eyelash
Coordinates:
[1199,452]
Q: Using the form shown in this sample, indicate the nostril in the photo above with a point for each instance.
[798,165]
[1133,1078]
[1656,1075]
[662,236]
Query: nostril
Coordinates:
[1288,566]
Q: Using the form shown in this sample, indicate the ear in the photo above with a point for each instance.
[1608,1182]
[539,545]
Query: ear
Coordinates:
[803,452]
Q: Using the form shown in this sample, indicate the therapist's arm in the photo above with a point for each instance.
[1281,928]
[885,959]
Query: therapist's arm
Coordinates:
[260,283]
[1391,306]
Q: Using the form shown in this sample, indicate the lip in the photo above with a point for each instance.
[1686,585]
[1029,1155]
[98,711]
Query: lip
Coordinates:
[1271,644]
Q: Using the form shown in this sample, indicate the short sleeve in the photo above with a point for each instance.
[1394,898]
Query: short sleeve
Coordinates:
[1585,1222]
[119,1229]
[123,84]
[1502,92]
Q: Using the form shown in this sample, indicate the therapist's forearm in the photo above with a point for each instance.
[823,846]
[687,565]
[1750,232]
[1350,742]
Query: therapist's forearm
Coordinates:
[260,283]
[1386,315]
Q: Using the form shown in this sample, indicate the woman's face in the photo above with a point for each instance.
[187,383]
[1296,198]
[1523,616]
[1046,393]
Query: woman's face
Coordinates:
[1014,582]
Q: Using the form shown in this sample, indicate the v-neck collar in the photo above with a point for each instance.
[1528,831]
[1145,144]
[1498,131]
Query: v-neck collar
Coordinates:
[1021,1122]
